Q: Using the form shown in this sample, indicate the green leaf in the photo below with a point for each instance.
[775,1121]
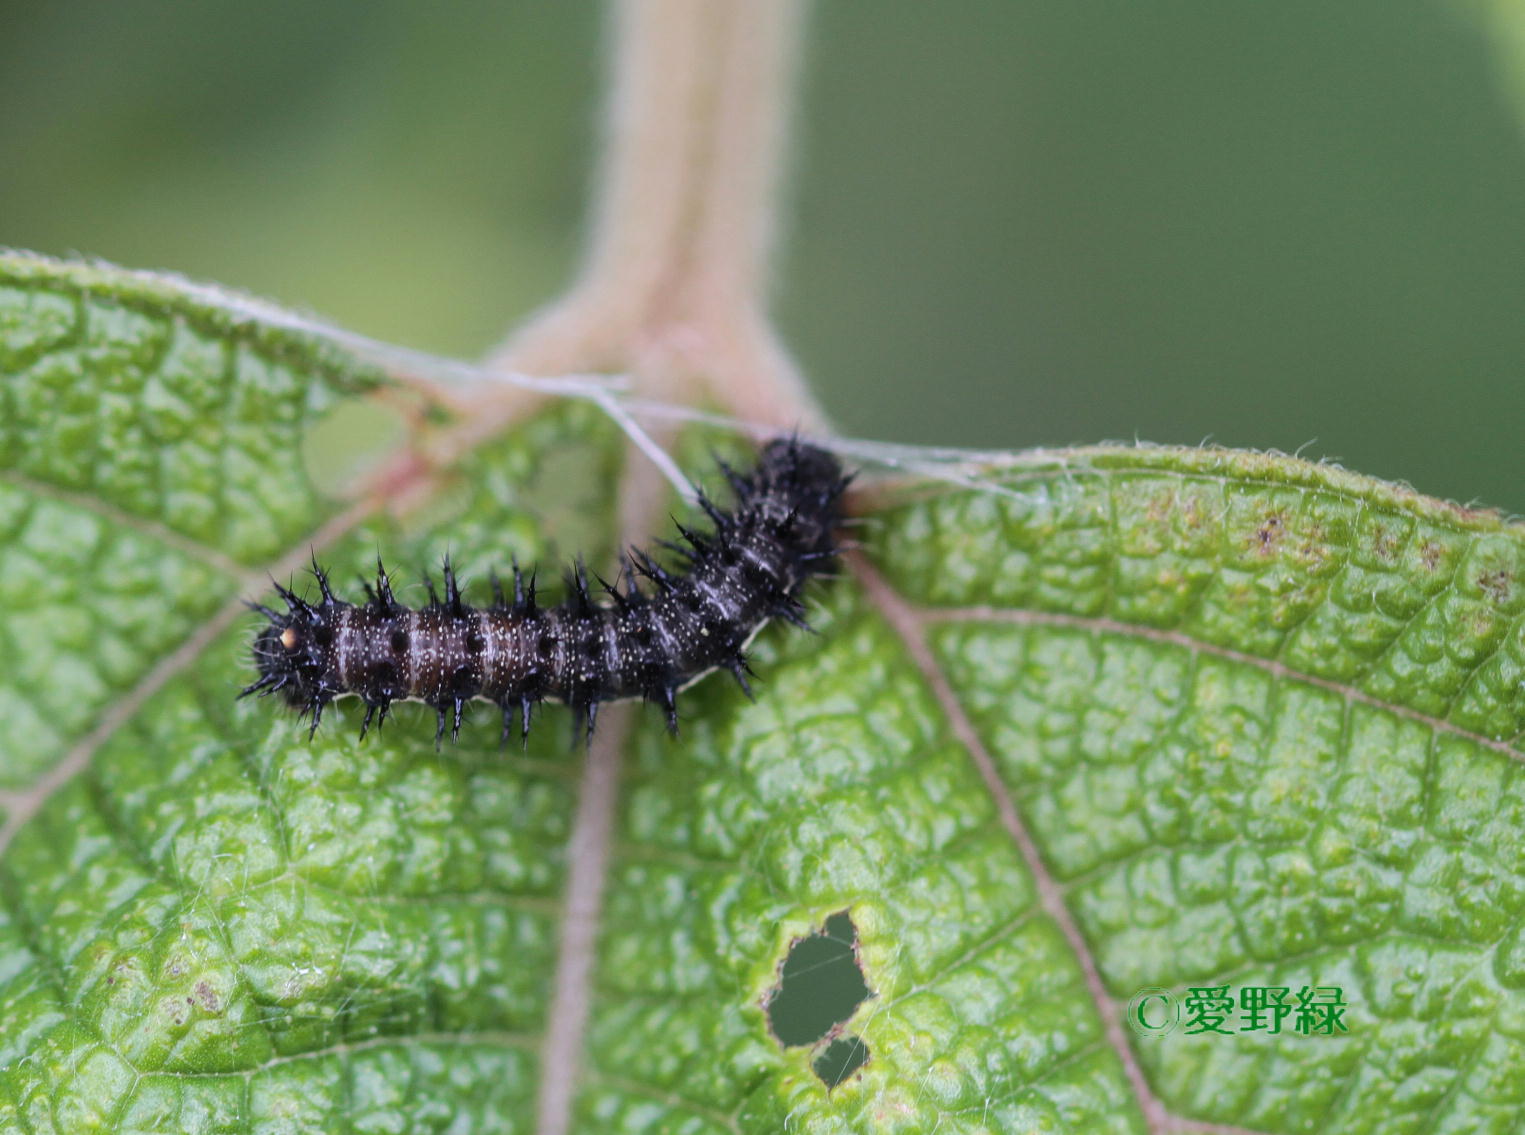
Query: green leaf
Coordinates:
[1074,724]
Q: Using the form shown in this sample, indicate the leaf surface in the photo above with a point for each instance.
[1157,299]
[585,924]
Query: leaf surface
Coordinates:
[1074,724]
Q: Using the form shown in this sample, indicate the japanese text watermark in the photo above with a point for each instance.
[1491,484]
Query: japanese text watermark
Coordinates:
[1226,1010]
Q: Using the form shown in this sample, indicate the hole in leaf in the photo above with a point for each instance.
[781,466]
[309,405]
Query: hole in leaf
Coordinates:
[820,984]
[840,1059]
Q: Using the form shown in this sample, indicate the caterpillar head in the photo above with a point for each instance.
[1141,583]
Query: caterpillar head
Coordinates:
[802,486]
[290,653]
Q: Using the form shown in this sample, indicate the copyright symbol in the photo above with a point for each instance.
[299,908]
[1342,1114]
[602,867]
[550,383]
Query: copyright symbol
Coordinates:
[1153,1012]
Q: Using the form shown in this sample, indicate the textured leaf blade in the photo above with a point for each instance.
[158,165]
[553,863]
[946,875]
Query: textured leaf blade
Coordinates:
[1257,717]
[150,451]
[842,789]
[217,926]
[1262,719]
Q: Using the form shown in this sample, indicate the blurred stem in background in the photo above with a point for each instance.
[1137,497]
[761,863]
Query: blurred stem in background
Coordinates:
[1505,21]
[674,281]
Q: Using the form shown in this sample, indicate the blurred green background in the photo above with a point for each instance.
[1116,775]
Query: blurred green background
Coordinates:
[1283,225]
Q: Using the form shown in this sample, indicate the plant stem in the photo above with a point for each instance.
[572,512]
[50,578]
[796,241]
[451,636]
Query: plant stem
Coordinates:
[673,286]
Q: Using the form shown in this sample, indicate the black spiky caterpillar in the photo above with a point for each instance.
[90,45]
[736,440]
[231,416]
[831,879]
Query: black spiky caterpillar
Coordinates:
[649,644]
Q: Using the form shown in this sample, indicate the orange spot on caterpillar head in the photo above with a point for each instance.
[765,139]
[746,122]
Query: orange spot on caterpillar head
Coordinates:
[289,638]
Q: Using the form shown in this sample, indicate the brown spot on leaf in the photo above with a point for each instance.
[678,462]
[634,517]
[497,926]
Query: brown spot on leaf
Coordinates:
[1496,585]
[1268,537]
[1315,552]
[1430,555]
[207,997]
[1161,505]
